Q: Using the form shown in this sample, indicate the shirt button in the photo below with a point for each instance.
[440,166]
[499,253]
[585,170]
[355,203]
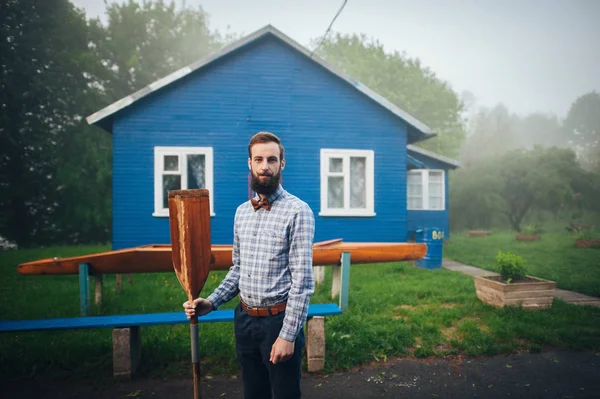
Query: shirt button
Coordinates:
[248,275]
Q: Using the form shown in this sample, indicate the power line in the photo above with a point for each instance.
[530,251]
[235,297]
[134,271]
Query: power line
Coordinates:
[329,28]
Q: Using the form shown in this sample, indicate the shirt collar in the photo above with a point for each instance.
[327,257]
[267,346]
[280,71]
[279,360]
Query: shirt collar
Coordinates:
[274,196]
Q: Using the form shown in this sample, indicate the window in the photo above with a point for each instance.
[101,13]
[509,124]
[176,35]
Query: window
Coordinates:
[347,183]
[425,190]
[181,168]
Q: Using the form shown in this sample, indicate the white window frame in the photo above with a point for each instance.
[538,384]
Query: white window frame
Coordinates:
[369,156]
[182,152]
[424,173]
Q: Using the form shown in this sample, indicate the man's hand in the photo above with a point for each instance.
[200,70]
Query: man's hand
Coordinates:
[199,307]
[281,351]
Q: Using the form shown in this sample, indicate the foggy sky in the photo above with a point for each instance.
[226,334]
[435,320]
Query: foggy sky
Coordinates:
[531,55]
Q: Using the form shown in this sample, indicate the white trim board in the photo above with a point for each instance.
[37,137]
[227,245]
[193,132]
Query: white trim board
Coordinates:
[326,155]
[181,152]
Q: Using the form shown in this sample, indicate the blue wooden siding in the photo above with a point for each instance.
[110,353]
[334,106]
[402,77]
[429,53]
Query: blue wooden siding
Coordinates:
[266,86]
[418,219]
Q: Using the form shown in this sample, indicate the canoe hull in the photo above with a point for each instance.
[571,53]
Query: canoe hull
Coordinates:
[158,258]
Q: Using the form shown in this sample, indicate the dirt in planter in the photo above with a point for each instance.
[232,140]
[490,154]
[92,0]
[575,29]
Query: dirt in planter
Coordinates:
[516,280]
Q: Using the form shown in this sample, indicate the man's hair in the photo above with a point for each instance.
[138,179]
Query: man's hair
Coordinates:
[265,137]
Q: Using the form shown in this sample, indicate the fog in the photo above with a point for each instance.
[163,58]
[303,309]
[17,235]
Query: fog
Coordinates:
[531,56]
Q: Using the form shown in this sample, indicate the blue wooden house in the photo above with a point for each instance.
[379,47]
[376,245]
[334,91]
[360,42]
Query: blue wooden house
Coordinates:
[350,153]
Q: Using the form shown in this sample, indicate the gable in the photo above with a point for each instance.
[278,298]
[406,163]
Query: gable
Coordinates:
[104,118]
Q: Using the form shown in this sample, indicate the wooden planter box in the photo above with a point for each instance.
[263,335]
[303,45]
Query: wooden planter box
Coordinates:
[478,233]
[593,243]
[531,294]
[528,237]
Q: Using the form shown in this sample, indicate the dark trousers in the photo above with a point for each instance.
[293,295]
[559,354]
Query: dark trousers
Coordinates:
[254,338]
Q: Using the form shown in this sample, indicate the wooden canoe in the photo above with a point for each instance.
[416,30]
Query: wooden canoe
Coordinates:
[158,257]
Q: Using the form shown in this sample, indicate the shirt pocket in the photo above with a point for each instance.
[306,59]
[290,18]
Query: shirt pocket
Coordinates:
[275,242]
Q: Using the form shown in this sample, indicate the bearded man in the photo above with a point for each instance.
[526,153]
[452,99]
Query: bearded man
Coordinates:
[272,273]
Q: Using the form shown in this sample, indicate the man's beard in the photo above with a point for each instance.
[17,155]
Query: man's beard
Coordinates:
[265,187]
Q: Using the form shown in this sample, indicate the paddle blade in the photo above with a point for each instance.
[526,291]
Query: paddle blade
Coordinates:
[189,222]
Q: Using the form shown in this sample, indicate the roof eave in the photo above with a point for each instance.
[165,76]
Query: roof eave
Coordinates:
[448,161]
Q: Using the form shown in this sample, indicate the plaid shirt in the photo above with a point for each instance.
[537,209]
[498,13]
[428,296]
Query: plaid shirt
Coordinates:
[272,259]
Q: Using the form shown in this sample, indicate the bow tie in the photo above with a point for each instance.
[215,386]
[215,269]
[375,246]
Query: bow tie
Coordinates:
[264,203]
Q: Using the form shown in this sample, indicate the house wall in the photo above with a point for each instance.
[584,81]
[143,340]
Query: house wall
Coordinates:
[265,86]
[423,218]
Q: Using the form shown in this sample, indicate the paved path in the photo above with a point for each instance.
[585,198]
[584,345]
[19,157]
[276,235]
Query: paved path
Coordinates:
[572,297]
[548,375]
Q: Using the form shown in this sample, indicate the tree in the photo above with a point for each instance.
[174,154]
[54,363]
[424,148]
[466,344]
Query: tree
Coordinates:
[511,184]
[45,92]
[145,42]
[475,196]
[539,129]
[582,127]
[491,133]
[404,82]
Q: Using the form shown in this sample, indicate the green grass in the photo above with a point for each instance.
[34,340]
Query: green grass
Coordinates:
[554,257]
[395,309]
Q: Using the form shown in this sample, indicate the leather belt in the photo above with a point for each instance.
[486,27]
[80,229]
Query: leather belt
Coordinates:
[266,311]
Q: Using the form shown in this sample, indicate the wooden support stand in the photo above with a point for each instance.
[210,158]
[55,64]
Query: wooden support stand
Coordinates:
[98,286]
[118,282]
[84,289]
[340,284]
[319,273]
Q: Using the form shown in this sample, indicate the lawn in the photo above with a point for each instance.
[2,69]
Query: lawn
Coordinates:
[554,257]
[395,309]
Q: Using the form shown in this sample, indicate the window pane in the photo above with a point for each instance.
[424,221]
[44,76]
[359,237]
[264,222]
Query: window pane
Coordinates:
[414,185]
[171,163]
[336,164]
[196,171]
[414,190]
[170,182]
[435,203]
[358,183]
[435,176]
[435,189]
[335,192]
[415,203]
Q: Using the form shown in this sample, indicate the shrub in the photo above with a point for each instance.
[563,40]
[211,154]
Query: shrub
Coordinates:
[532,229]
[586,233]
[510,266]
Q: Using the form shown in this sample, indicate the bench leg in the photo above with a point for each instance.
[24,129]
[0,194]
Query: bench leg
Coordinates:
[315,343]
[127,350]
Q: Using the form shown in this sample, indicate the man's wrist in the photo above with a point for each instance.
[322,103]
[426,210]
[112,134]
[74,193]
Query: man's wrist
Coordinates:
[214,301]
[287,336]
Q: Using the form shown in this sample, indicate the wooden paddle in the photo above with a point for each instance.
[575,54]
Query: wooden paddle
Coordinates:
[189,221]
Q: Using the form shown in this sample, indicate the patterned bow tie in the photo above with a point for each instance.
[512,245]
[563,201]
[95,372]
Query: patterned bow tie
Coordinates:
[264,203]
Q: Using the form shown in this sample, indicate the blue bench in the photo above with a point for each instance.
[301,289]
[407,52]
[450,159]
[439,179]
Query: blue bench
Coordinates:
[127,339]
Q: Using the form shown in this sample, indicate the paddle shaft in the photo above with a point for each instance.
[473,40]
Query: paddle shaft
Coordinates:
[195,344]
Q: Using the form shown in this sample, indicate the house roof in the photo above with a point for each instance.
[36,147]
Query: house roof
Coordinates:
[104,116]
[452,163]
